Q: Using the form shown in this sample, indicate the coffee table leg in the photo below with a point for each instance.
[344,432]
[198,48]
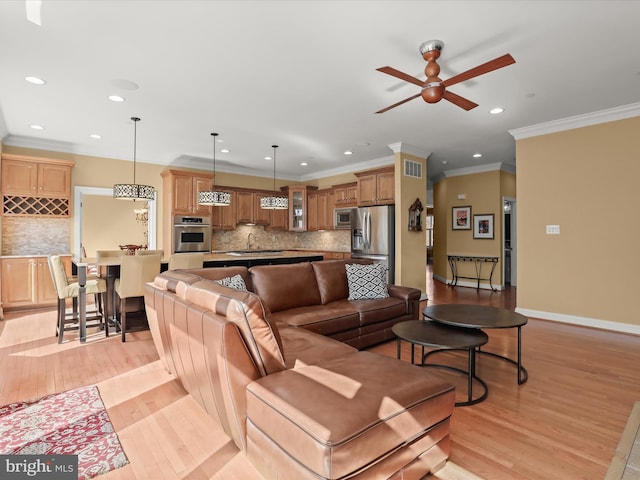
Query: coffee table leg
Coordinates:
[472,372]
[398,348]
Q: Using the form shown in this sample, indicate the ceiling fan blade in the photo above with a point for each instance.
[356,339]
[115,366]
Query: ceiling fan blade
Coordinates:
[401,75]
[490,66]
[398,104]
[459,101]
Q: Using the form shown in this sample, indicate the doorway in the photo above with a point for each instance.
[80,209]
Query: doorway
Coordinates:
[509,244]
[86,198]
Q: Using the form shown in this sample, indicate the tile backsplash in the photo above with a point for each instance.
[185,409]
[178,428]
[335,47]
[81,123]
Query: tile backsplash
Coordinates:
[35,236]
[330,240]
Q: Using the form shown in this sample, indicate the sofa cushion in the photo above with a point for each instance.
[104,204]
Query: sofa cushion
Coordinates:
[346,413]
[322,319]
[331,276]
[247,311]
[282,287]
[302,347]
[374,311]
[367,281]
[218,273]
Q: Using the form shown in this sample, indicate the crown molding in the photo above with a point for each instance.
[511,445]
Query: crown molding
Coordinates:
[487,167]
[577,121]
[403,147]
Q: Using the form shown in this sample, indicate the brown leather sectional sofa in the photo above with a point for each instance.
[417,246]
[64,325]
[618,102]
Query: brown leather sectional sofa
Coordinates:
[299,404]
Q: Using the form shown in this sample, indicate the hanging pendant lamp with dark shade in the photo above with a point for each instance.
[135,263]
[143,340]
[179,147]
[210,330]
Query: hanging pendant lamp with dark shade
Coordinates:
[214,198]
[133,191]
[273,202]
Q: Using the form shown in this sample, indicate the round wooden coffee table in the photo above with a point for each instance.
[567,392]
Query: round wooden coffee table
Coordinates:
[479,317]
[443,337]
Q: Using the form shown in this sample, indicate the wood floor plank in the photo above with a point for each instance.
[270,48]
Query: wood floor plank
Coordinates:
[564,423]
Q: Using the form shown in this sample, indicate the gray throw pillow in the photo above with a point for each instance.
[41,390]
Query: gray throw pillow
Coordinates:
[236,282]
[367,281]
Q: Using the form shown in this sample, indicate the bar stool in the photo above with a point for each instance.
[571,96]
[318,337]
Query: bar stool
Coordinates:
[186,260]
[66,289]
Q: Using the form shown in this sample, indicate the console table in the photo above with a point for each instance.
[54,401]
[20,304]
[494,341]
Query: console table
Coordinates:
[478,261]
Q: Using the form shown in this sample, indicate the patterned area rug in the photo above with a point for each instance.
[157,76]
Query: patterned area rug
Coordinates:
[74,422]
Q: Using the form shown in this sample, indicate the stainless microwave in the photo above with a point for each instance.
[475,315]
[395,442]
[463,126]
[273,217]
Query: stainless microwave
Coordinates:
[342,218]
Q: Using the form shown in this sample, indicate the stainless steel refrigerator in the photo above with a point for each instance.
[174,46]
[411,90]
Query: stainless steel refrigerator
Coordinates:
[373,235]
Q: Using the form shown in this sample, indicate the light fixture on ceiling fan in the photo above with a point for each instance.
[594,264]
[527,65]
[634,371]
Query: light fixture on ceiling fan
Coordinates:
[214,198]
[133,191]
[274,202]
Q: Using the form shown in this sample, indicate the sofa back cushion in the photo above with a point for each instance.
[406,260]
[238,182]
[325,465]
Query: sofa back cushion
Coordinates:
[331,276]
[282,287]
[218,273]
[246,310]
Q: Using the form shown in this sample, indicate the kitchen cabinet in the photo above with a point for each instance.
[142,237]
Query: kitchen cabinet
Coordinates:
[376,187]
[345,195]
[224,218]
[30,284]
[298,207]
[279,220]
[180,191]
[249,211]
[34,186]
[318,210]
[36,179]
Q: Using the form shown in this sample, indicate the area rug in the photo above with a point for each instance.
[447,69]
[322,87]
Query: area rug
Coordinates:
[74,422]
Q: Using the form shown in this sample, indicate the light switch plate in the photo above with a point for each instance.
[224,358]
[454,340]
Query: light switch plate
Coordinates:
[553,229]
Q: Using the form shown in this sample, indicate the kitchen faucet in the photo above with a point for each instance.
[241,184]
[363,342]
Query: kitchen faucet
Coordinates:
[249,240]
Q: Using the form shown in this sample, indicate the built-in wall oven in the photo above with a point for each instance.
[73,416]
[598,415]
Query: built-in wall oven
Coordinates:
[191,234]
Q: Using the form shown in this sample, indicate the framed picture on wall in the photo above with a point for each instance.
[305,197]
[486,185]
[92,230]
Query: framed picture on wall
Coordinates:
[461,218]
[483,226]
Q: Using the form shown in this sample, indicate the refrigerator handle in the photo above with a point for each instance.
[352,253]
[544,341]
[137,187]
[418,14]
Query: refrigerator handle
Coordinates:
[365,230]
[368,230]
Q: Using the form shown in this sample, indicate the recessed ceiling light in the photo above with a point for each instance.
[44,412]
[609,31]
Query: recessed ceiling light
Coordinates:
[34,80]
[444,162]
[116,98]
[268,158]
[304,164]
[477,155]
[37,127]
[96,136]
[348,152]
[225,150]
[496,110]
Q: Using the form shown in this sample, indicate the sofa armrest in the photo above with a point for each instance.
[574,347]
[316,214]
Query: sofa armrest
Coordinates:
[411,297]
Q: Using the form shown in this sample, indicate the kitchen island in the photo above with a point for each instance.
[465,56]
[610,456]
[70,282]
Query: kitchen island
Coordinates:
[249,258]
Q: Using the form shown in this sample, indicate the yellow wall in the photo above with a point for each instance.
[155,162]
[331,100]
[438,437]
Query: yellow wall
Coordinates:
[483,192]
[411,251]
[586,181]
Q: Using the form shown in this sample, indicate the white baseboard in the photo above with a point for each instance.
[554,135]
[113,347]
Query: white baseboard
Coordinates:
[582,321]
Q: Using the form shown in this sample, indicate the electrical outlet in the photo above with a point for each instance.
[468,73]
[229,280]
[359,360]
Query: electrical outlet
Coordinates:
[553,229]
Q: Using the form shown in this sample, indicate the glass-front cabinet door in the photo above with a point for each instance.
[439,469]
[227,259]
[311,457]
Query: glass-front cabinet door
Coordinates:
[298,208]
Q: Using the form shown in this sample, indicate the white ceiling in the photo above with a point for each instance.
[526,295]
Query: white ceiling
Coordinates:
[302,74]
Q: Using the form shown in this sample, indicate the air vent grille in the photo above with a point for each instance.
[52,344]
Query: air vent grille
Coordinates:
[412,169]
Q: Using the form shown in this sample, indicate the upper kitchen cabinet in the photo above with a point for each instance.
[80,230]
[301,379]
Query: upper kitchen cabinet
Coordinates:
[345,195]
[180,190]
[376,187]
[36,186]
[224,218]
[319,210]
[298,209]
[249,211]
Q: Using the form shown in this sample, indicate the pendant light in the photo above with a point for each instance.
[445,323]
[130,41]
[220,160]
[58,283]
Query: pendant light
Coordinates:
[273,202]
[213,198]
[133,191]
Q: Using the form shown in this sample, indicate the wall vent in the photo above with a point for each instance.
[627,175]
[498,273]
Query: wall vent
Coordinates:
[412,169]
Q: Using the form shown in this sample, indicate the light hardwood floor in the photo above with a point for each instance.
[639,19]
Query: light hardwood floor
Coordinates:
[564,423]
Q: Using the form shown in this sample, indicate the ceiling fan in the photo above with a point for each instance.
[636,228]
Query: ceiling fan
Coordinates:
[433,88]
